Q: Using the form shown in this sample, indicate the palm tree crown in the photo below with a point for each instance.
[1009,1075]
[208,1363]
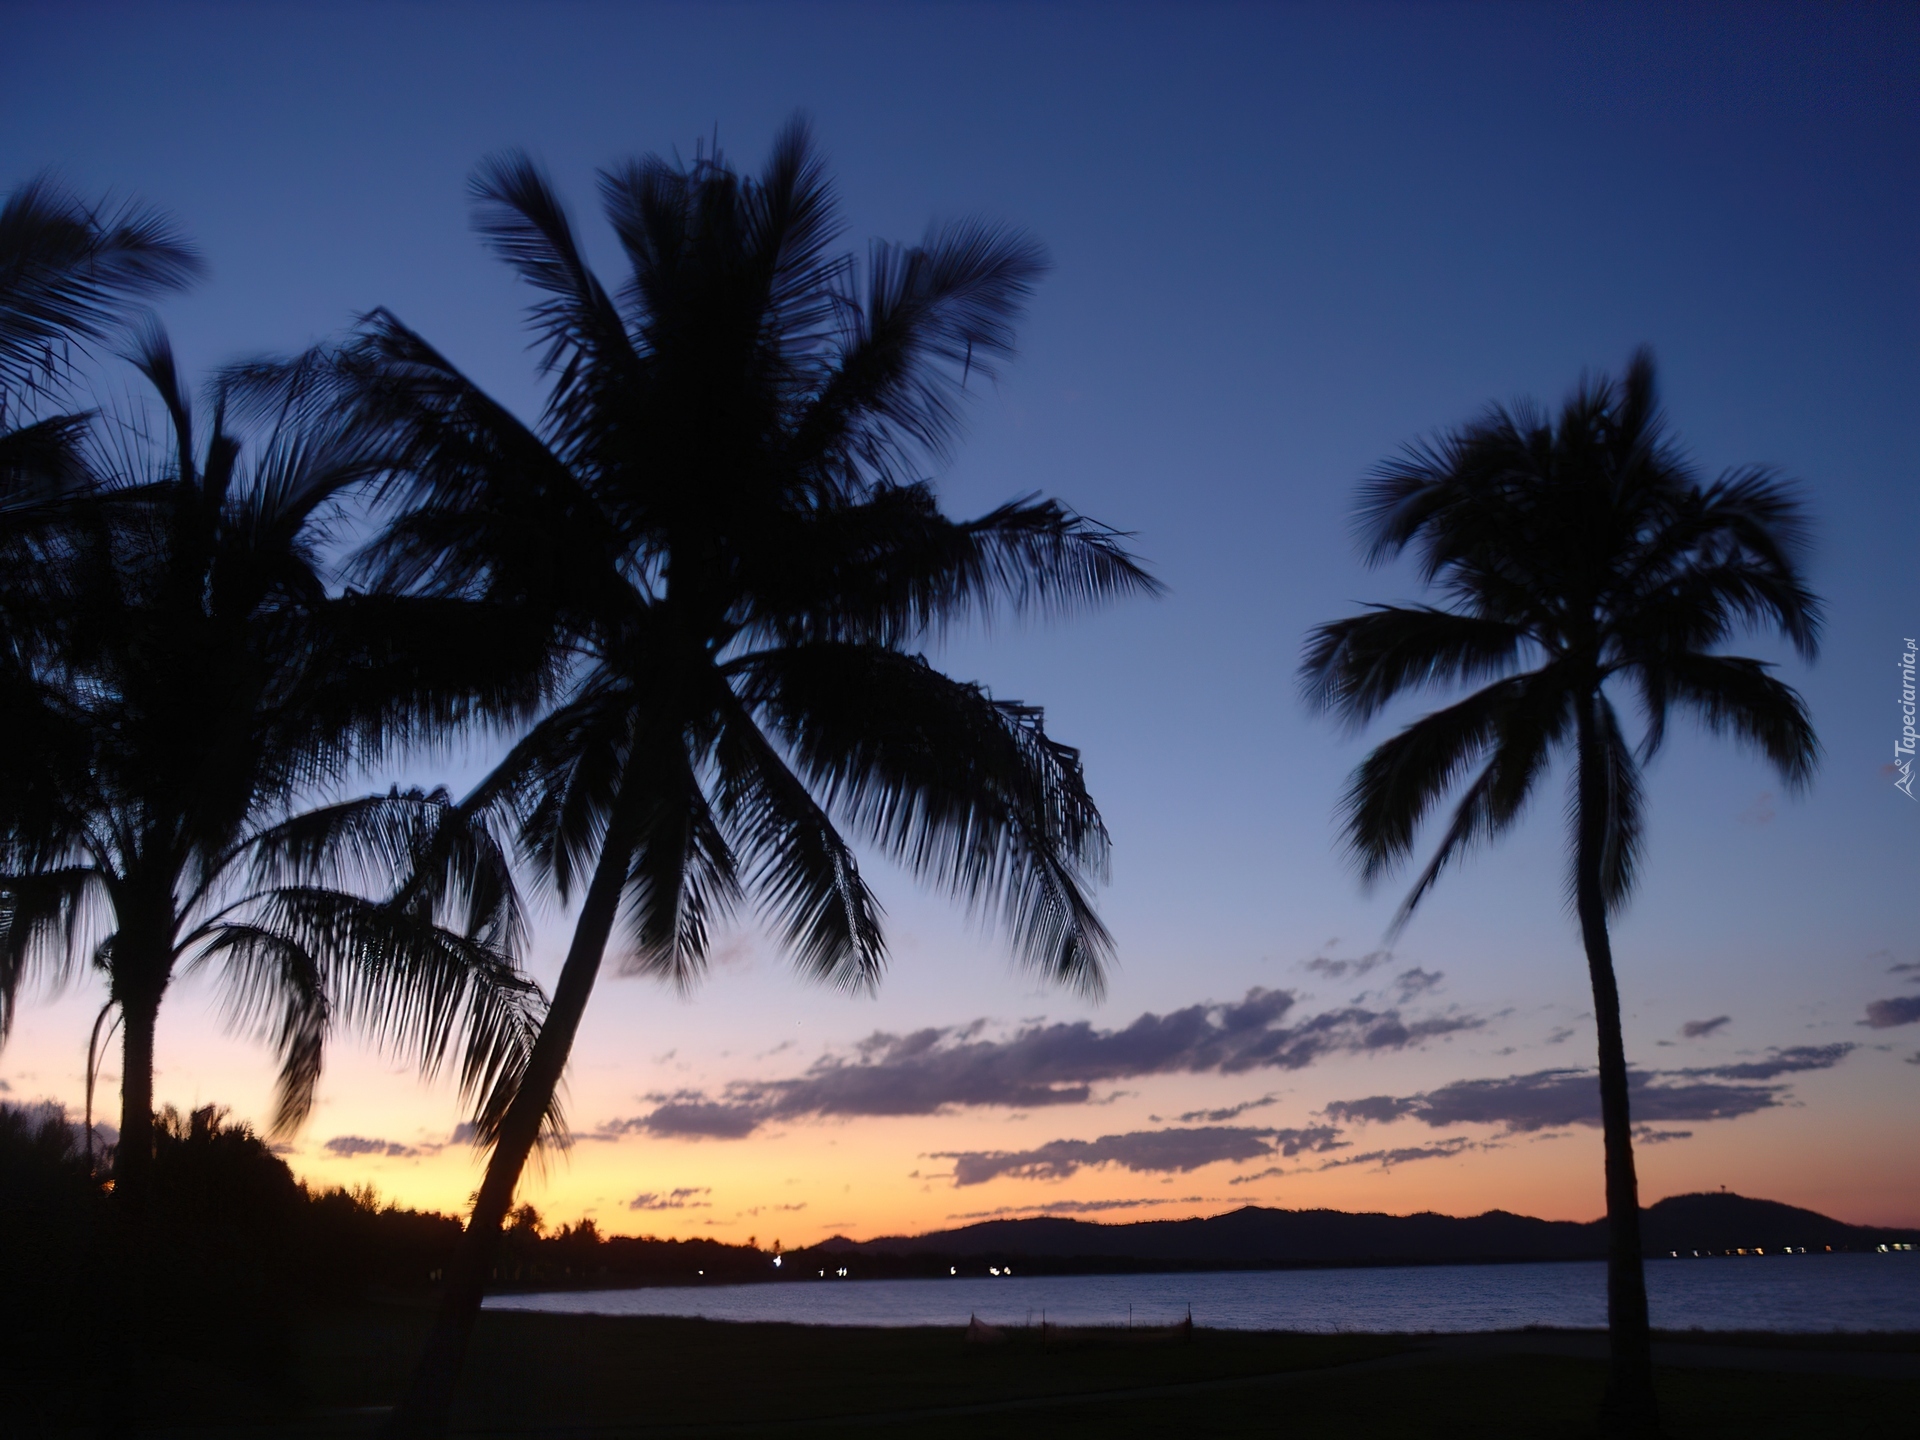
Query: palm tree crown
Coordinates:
[1571,556]
[720,525]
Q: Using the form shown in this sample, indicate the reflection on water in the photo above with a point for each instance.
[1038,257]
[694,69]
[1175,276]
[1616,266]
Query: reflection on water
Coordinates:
[1778,1292]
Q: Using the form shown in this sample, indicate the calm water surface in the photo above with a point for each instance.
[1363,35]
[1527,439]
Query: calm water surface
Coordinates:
[1775,1292]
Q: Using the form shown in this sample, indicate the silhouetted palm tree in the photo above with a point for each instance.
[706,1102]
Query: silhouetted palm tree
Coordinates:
[1571,555]
[206,682]
[722,527]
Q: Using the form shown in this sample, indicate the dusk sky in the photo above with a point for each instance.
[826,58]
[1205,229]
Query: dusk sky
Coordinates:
[1285,242]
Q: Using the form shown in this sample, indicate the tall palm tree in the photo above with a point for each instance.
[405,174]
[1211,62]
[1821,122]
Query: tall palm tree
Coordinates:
[206,682]
[722,526]
[1572,556]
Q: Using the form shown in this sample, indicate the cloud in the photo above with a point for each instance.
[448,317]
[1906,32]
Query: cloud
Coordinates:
[685,1198]
[1551,1099]
[1077,1207]
[1144,1151]
[1647,1135]
[1229,1112]
[1790,1061]
[1885,1014]
[1694,1029]
[1341,969]
[928,1071]
[692,1114]
[1409,984]
[347,1146]
[1387,1159]
[465,1133]
[1266,1174]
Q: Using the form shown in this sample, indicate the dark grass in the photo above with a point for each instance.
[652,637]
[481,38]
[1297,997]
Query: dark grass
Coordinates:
[559,1376]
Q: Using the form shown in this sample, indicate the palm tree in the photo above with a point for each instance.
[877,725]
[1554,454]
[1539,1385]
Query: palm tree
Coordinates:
[206,681]
[1572,556]
[721,527]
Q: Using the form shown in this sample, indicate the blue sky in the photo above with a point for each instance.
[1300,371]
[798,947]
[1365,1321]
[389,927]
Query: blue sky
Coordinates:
[1286,240]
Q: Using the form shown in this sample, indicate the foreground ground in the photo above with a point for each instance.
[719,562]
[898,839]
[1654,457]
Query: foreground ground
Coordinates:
[580,1376]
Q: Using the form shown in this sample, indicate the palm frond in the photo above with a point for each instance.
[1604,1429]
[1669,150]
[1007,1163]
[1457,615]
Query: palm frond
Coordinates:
[1738,697]
[70,274]
[1356,667]
[295,958]
[805,874]
[891,568]
[683,877]
[964,790]
[1620,824]
[523,221]
[1529,721]
[41,917]
[933,316]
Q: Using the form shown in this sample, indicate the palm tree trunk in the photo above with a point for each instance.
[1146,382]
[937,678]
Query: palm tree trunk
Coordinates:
[133,1155]
[1628,1407]
[424,1413]
[128,1320]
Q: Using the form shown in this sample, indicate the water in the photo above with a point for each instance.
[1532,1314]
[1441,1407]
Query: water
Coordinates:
[1806,1293]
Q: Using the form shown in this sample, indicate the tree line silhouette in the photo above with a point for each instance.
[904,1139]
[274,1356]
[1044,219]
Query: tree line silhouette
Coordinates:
[692,602]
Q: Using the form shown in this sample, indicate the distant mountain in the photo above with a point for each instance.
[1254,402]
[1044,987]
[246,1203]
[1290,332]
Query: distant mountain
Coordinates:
[1259,1238]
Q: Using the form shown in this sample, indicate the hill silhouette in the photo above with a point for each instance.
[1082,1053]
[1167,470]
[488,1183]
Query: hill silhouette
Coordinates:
[1255,1237]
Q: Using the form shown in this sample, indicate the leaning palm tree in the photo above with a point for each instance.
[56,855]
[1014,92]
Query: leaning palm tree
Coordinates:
[721,526]
[1572,557]
[207,682]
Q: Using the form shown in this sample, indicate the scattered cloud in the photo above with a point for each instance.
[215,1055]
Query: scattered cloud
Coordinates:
[1560,1036]
[1549,1099]
[1885,1014]
[1142,1151]
[1410,984]
[465,1133]
[1229,1112]
[1647,1135]
[1341,969]
[347,1146]
[1387,1159]
[690,1113]
[685,1198]
[1694,1029]
[1267,1174]
[931,1070]
[1790,1061]
[1077,1207]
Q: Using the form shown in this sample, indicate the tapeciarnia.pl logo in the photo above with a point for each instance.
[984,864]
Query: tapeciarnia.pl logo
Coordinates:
[1903,747]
